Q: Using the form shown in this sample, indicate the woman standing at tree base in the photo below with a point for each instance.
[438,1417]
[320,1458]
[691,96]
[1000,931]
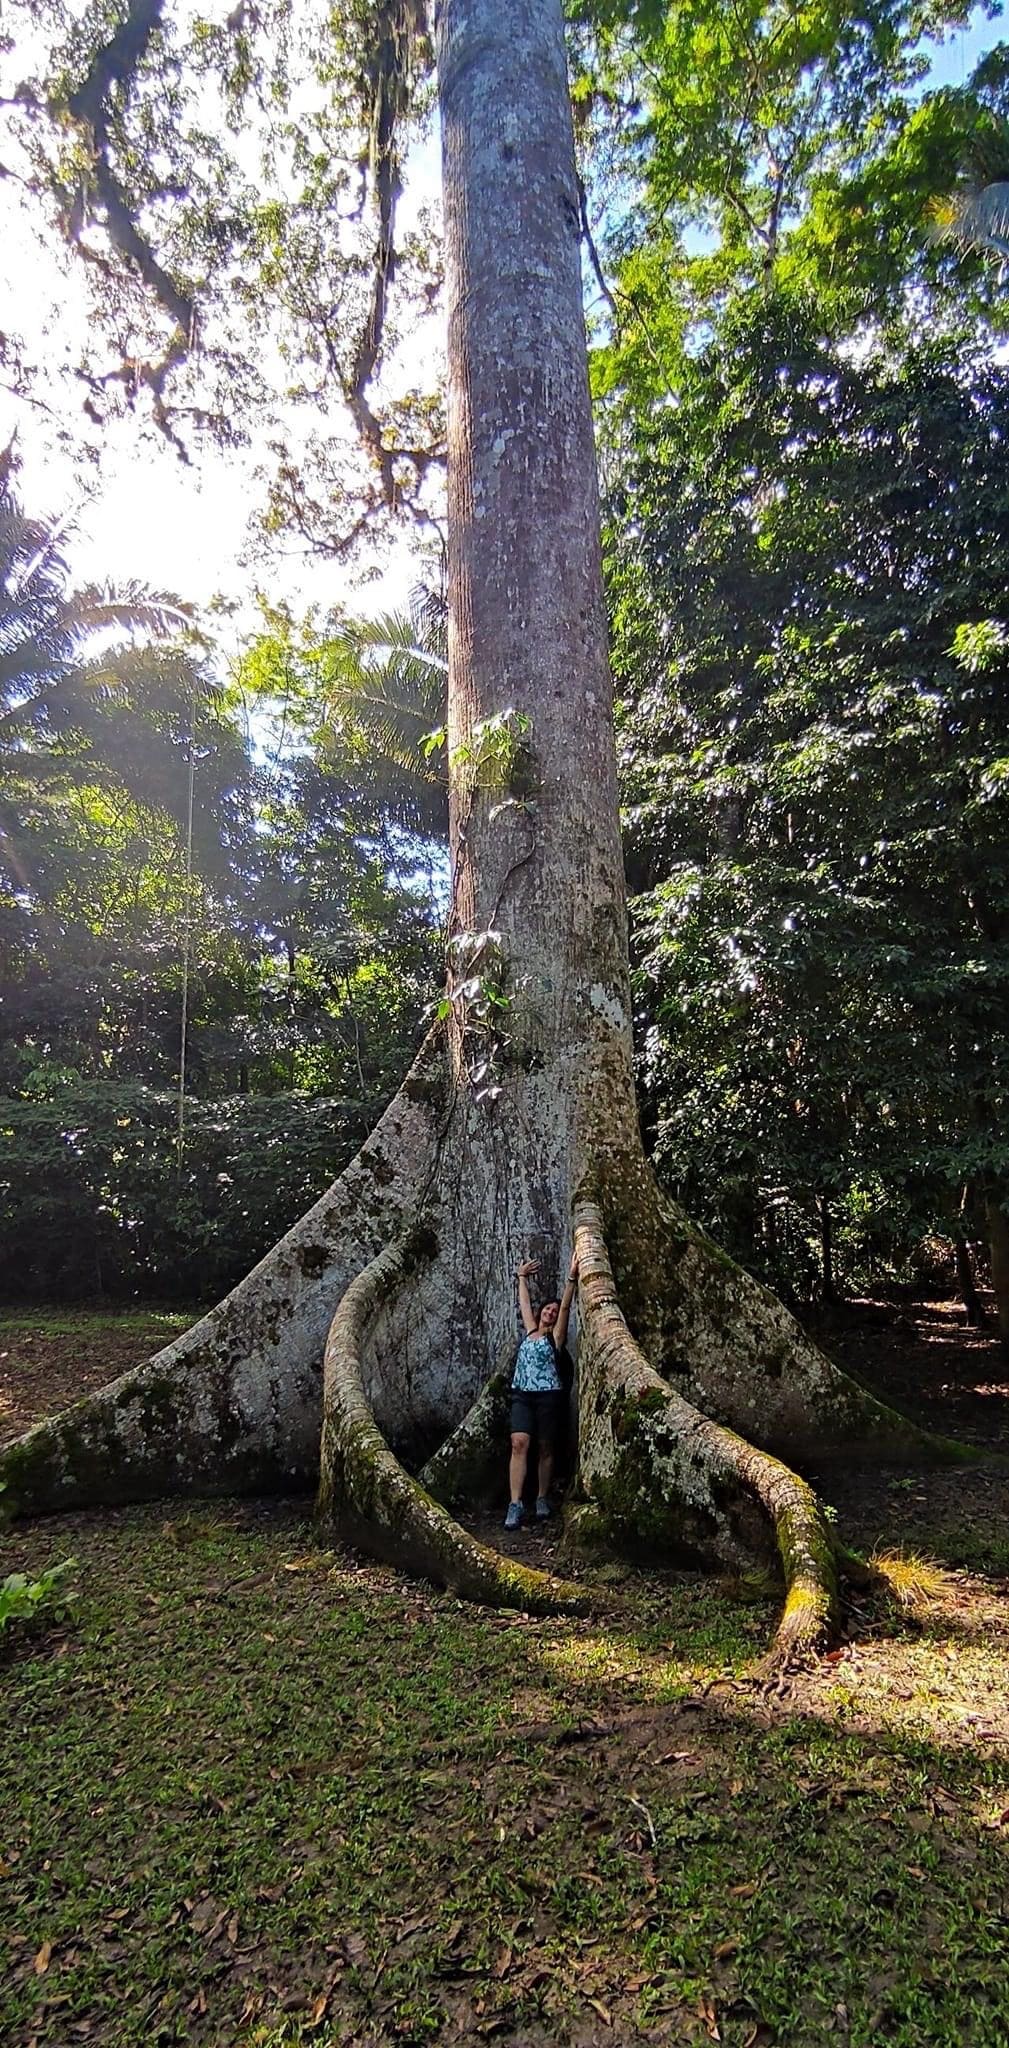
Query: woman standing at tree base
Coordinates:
[537,1392]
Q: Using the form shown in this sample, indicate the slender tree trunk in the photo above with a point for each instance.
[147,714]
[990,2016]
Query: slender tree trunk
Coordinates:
[965,1275]
[827,1286]
[998,1245]
[966,1283]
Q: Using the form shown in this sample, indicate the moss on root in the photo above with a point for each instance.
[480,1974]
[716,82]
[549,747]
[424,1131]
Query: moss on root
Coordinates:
[666,1478]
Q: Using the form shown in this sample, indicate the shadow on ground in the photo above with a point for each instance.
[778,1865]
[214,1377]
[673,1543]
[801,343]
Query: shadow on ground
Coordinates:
[262,1794]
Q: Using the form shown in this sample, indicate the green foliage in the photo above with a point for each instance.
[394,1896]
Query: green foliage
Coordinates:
[481,1005]
[736,147]
[94,1201]
[804,408]
[309,919]
[46,1598]
[363,693]
[813,744]
[493,751]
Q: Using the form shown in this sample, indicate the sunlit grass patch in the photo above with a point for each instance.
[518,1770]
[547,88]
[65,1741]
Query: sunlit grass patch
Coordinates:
[77,1322]
[914,1582]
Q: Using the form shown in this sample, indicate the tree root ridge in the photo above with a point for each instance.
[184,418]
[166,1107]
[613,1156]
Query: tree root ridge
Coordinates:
[665,1476]
[234,1404]
[365,1490]
[464,1468]
[725,1342]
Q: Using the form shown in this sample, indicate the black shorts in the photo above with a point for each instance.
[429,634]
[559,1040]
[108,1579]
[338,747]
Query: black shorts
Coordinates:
[538,1415]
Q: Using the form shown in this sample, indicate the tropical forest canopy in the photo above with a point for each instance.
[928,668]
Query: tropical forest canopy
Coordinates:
[223,882]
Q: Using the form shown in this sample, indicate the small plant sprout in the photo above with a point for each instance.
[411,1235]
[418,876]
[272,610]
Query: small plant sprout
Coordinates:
[493,749]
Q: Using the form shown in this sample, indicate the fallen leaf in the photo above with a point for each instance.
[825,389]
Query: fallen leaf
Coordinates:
[597,2006]
[742,1891]
[43,1958]
[726,1948]
[707,2011]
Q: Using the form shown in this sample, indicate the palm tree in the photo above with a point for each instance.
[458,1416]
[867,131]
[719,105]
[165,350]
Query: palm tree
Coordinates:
[80,702]
[975,214]
[384,685]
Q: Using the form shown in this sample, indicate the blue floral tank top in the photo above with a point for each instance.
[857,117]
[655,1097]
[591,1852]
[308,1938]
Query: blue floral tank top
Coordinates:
[536,1368]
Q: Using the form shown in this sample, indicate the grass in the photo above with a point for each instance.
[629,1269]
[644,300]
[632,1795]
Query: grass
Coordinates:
[915,1583]
[94,1322]
[263,1794]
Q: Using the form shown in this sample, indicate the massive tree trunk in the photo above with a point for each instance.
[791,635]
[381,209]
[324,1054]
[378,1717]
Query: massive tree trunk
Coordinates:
[520,1115]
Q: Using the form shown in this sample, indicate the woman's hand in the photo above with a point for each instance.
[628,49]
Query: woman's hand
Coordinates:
[573,1269]
[528,1266]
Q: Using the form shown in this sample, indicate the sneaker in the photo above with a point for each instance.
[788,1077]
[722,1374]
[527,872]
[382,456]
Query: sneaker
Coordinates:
[516,1515]
[543,1509]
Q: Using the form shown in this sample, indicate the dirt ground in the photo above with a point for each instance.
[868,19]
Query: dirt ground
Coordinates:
[50,1357]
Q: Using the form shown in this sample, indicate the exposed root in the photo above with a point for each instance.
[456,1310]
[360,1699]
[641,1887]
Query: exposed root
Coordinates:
[364,1489]
[725,1342]
[667,1478]
[235,1404]
[465,1467]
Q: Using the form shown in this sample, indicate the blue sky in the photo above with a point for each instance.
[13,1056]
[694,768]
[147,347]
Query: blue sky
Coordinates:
[955,62]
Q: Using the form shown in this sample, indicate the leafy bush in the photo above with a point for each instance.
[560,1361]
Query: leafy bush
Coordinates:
[93,1200]
[49,1596]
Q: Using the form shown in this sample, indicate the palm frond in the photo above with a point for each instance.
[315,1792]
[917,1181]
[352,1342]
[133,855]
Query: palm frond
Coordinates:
[975,218]
[130,608]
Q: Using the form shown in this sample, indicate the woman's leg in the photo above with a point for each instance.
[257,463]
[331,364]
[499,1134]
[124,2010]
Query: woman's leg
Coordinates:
[549,1420]
[519,1461]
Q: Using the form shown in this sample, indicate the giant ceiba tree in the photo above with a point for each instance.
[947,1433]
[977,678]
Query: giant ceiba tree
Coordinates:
[378,1324]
